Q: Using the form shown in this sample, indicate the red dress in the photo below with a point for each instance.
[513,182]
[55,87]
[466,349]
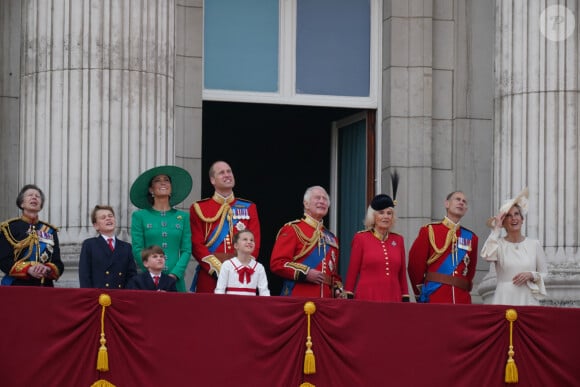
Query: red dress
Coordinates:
[214,221]
[426,257]
[377,269]
[297,244]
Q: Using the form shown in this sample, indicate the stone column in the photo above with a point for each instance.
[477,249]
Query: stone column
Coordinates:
[9,102]
[97,102]
[437,111]
[536,131]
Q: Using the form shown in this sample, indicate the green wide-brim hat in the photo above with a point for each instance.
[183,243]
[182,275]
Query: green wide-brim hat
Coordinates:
[181,183]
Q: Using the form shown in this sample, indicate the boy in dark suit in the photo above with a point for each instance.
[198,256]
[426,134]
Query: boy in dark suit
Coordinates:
[106,262]
[154,278]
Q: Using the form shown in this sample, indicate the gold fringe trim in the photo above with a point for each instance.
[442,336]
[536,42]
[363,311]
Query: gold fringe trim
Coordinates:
[511,371]
[306,384]
[309,360]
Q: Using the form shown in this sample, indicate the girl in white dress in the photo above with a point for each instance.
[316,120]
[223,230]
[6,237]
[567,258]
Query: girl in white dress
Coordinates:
[243,275]
[520,262]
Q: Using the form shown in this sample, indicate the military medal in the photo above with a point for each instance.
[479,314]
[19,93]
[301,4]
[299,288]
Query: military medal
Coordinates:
[466,261]
[464,243]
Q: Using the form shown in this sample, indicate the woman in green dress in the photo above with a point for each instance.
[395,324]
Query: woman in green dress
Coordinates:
[155,192]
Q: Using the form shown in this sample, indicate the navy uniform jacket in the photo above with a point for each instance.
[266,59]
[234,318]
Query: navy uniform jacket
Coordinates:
[99,267]
[17,230]
[144,281]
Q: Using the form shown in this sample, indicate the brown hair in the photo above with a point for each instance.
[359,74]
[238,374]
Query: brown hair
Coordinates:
[20,197]
[237,236]
[149,251]
[97,208]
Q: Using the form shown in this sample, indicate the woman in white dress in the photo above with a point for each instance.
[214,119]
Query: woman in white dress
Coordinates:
[243,275]
[520,262]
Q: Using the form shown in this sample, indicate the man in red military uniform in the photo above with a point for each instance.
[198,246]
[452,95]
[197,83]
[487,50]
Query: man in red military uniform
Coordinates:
[306,253]
[214,221]
[443,258]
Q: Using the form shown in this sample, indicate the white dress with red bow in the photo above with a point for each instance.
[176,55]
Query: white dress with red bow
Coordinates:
[240,279]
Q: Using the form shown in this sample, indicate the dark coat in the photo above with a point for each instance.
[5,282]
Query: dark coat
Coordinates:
[99,267]
[143,281]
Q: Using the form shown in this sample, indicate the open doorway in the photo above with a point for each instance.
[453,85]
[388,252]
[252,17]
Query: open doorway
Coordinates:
[276,152]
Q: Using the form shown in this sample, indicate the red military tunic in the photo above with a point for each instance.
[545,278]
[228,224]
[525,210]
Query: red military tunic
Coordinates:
[428,254]
[290,257]
[377,269]
[211,217]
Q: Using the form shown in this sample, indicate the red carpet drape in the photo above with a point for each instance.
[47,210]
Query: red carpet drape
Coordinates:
[51,337]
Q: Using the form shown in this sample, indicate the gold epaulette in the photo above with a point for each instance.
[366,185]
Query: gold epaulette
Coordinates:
[7,222]
[204,218]
[293,222]
[287,224]
[49,225]
[245,200]
[471,231]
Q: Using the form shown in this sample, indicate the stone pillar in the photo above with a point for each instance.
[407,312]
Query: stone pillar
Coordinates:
[407,110]
[536,131]
[9,102]
[96,104]
[437,111]
[188,98]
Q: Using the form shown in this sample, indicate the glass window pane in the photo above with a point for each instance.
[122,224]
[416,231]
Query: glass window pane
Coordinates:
[333,47]
[241,45]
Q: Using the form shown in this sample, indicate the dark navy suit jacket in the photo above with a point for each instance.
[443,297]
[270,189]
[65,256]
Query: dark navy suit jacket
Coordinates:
[99,267]
[143,281]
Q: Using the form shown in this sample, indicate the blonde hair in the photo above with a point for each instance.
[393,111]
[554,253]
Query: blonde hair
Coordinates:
[369,220]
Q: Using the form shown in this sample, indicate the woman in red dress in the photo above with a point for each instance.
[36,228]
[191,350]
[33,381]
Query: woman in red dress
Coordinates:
[377,269]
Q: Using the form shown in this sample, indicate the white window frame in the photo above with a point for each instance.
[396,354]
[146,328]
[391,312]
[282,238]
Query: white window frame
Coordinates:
[287,69]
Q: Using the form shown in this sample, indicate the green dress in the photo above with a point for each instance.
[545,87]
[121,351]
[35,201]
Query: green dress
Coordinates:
[169,230]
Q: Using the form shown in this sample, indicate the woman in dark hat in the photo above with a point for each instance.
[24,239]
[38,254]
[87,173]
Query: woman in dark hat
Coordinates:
[155,192]
[377,270]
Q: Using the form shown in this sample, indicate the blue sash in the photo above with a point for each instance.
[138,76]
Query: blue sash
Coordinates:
[220,238]
[447,267]
[8,280]
[312,260]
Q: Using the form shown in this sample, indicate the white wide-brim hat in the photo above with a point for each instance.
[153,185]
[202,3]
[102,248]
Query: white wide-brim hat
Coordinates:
[521,200]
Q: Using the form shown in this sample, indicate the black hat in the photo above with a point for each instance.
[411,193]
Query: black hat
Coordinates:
[382,201]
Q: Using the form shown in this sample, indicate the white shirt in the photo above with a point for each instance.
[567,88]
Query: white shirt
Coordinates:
[229,278]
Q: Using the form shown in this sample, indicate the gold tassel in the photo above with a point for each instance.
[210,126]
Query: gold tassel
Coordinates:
[309,361]
[102,383]
[306,384]
[511,371]
[103,357]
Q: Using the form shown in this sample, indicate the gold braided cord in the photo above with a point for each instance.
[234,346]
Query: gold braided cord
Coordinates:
[451,237]
[19,246]
[197,209]
[307,242]
[225,212]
